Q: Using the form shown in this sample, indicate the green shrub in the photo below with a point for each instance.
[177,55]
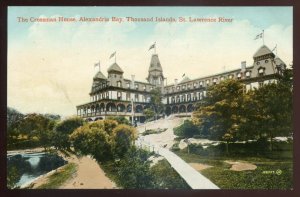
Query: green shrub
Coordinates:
[165,177]
[123,137]
[187,129]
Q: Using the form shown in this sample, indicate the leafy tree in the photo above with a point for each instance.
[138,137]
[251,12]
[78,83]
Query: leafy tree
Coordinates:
[109,125]
[274,111]
[64,129]
[13,119]
[37,126]
[123,138]
[134,170]
[166,177]
[187,129]
[221,111]
[13,176]
[93,139]
[119,119]
[149,113]
[156,101]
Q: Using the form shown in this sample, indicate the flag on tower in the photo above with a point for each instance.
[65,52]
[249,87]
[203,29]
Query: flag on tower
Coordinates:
[258,36]
[183,75]
[152,46]
[112,55]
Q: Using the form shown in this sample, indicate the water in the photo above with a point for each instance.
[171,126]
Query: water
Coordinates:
[23,169]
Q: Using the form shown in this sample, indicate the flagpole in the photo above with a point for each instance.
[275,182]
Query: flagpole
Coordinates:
[115,57]
[154,47]
[263,37]
[99,65]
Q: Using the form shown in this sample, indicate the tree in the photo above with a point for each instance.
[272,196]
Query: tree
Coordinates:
[274,110]
[156,101]
[149,113]
[221,112]
[13,119]
[119,119]
[93,139]
[37,126]
[123,137]
[187,129]
[134,170]
[64,129]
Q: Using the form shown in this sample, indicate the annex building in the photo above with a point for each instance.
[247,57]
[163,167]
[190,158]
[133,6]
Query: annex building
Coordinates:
[114,95]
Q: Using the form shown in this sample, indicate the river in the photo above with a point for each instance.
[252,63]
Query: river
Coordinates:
[24,168]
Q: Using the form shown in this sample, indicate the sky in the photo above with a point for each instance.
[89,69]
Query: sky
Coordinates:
[51,65]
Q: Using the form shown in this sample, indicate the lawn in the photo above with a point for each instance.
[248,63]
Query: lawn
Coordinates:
[269,174]
[60,177]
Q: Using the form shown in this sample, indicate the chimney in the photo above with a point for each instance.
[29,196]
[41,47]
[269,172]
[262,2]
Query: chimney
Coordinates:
[243,66]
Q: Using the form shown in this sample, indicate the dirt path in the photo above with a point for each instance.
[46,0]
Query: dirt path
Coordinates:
[89,176]
[241,166]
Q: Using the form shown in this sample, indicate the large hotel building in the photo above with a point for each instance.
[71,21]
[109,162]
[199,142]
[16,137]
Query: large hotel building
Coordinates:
[114,95]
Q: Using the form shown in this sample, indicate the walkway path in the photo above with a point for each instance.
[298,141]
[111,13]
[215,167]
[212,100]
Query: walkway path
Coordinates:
[155,141]
[89,176]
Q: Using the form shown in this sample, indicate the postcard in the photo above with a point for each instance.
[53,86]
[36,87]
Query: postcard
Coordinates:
[150,97]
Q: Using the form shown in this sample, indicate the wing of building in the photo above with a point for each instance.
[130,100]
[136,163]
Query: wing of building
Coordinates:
[115,95]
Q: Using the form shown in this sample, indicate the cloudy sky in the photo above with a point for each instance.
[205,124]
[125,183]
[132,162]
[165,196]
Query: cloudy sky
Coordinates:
[51,65]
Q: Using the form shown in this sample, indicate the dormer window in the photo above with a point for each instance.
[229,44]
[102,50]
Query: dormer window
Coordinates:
[230,76]
[119,83]
[222,78]
[189,86]
[261,71]
[248,74]
[183,87]
[178,87]
[136,86]
[207,81]
[128,85]
[239,76]
[144,87]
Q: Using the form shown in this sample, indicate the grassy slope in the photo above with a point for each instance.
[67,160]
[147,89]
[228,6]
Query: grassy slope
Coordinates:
[257,179]
[59,178]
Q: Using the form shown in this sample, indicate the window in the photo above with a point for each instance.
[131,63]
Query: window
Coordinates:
[136,97]
[177,99]
[128,96]
[257,63]
[207,81]
[189,97]
[239,76]
[119,83]
[189,86]
[230,76]
[178,87]
[266,61]
[183,87]
[136,86]
[119,95]
[144,87]
[107,95]
[261,71]
[260,84]
[128,85]
[222,78]
[215,81]
[248,74]
[201,84]
[195,85]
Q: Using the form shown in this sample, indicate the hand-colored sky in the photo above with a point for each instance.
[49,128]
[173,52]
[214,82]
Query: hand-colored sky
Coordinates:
[50,65]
